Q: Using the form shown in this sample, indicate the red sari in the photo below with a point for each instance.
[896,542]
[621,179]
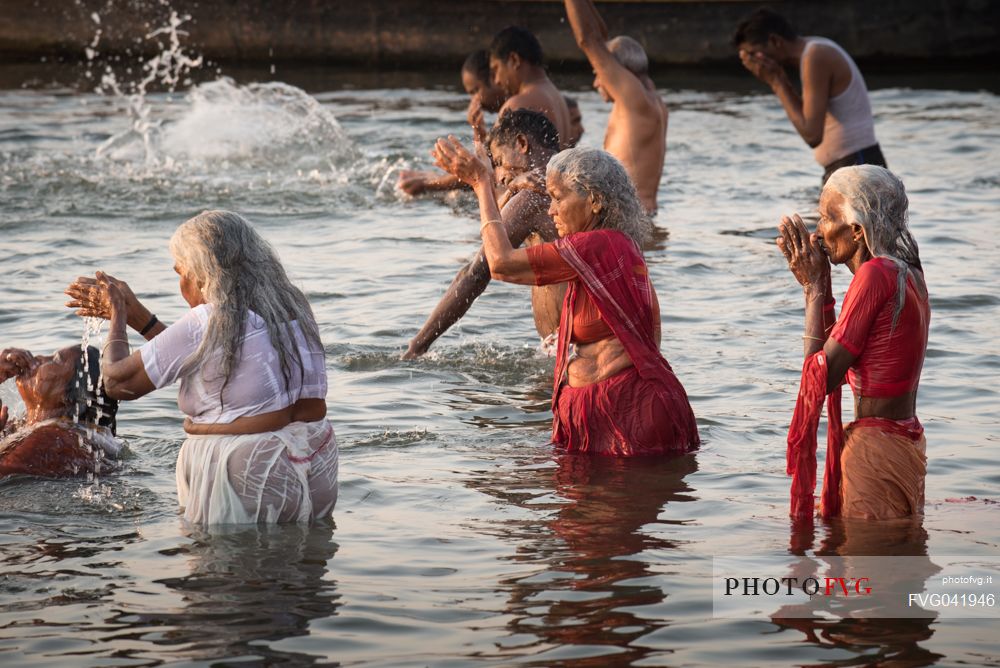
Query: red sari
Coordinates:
[642,410]
[875,468]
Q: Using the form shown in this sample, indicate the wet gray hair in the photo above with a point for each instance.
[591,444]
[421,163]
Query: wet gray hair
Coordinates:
[595,172]
[875,199]
[238,271]
[630,54]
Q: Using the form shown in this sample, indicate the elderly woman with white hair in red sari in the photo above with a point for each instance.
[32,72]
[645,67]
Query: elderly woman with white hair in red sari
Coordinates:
[613,392]
[252,376]
[875,469]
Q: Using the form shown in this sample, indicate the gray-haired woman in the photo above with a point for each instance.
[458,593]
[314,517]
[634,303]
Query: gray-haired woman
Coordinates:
[252,372]
[876,467]
[615,394]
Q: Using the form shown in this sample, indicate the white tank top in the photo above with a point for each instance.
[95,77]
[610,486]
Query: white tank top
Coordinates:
[257,384]
[848,126]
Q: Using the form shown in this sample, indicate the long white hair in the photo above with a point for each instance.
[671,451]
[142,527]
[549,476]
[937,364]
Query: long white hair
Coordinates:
[875,199]
[238,272]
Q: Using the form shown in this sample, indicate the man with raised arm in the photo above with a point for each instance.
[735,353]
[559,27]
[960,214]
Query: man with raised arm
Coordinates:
[518,67]
[833,114]
[637,126]
[520,144]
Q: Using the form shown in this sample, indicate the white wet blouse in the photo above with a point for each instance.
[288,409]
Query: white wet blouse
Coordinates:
[257,384]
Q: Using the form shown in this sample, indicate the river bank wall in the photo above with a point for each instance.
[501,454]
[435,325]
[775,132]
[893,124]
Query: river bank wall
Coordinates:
[420,33]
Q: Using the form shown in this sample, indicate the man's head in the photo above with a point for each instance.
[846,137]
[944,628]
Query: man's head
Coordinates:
[520,141]
[476,80]
[45,387]
[765,31]
[575,121]
[68,383]
[630,55]
[513,51]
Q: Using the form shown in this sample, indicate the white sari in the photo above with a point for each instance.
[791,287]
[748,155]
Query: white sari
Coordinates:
[289,475]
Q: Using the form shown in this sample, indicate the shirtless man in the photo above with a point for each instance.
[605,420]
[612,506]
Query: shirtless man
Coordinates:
[484,96]
[68,419]
[517,67]
[833,114]
[637,126]
[520,144]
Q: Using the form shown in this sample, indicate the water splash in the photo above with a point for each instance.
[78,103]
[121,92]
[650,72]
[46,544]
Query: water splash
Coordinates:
[267,124]
[91,329]
[167,69]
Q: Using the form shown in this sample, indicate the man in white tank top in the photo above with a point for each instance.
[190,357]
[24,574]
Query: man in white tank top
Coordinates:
[832,114]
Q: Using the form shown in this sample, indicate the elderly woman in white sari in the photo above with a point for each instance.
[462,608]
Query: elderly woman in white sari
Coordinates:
[252,376]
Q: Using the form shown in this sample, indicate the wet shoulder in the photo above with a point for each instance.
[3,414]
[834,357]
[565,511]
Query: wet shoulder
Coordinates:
[876,276]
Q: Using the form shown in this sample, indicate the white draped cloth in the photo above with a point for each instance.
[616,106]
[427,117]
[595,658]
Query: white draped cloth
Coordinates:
[289,475]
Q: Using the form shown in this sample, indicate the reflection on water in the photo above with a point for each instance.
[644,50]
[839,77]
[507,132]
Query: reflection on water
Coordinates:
[246,588]
[888,640]
[591,547]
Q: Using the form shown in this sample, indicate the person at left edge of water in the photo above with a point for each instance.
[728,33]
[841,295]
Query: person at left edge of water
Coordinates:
[69,425]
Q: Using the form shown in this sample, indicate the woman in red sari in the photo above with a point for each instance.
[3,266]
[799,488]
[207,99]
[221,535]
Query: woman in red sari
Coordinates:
[613,392]
[875,468]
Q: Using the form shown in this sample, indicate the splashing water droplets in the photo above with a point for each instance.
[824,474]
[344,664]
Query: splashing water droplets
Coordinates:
[167,69]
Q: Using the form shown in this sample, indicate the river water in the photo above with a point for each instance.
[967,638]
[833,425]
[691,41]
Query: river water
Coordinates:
[462,538]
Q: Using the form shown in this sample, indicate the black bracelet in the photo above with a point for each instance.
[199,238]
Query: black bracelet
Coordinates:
[149,325]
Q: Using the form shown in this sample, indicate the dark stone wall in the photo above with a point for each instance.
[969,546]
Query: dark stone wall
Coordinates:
[417,33]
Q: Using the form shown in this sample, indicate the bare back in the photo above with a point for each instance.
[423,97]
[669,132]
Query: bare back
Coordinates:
[637,136]
[542,96]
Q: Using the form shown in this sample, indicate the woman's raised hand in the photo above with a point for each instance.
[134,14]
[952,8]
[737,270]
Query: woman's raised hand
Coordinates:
[14,362]
[97,297]
[806,259]
[452,157]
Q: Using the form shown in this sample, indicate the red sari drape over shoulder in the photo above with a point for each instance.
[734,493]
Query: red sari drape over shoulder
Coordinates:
[611,269]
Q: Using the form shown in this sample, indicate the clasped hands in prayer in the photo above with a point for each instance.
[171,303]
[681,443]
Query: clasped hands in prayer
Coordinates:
[806,259]
[452,157]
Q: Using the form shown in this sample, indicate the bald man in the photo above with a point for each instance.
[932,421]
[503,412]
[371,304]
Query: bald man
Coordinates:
[637,126]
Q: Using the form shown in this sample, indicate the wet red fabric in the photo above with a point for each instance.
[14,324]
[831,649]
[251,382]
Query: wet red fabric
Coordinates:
[801,453]
[624,415]
[889,360]
[50,451]
[641,410]
[549,268]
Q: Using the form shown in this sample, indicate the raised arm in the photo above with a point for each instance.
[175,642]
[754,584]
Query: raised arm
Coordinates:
[506,263]
[518,218]
[591,36]
[416,183]
[91,299]
[15,362]
[104,296]
[807,112]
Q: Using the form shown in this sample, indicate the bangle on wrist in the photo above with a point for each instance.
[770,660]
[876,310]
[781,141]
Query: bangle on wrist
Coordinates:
[812,338]
[113,340]
[149,325]
[494,221]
